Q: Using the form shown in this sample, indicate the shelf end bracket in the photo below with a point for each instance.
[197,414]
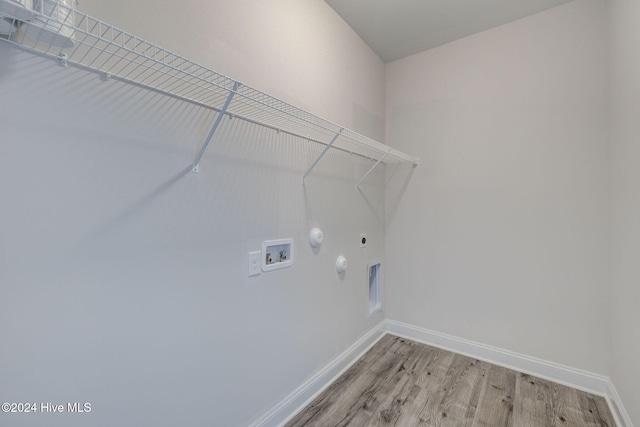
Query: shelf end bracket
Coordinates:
[329,145]
[370,170]
[223,111]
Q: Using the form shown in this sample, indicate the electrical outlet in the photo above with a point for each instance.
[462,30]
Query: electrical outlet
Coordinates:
[363,240]
[254,263]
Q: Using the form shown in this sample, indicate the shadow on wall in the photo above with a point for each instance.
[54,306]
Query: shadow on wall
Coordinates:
[397,181]
[144,202]
[421,130]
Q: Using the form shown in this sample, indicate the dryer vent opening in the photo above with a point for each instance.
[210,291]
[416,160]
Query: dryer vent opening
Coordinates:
[374,288]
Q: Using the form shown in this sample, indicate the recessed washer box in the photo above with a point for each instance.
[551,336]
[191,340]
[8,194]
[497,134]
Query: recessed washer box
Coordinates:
[277,254]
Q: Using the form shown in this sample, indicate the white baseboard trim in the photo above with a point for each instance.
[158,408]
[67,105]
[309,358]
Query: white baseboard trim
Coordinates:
[617,408]
[576,378]
[600,385]
[565,375]
[287,408]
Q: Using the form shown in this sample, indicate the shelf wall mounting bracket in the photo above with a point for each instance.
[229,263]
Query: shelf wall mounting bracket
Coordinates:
[322,154]
[370,170]
[223,111]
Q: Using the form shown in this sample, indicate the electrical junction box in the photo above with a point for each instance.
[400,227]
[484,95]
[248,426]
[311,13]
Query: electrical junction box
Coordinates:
[277,254]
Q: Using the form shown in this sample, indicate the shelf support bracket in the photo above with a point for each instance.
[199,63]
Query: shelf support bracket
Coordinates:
[223,111]
[322,154]
[370,170]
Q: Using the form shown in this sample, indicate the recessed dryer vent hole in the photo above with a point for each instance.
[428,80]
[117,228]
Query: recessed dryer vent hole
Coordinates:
[374,288]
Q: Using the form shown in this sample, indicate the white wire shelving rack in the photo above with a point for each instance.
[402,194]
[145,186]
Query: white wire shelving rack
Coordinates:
[76,39]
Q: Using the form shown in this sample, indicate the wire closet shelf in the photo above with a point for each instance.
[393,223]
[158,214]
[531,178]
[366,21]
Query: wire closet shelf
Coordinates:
[75,38]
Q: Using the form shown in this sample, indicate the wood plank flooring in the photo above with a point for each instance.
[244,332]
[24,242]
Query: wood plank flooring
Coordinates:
[401,383]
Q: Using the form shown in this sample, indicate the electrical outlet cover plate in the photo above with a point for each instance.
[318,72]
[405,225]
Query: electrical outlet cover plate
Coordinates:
[254,263]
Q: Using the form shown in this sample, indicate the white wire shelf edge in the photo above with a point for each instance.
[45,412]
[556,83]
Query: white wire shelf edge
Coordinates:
[78,39]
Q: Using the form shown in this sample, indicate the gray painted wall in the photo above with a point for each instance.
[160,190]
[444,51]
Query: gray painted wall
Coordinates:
[625,202]
[124,275]
[506,219]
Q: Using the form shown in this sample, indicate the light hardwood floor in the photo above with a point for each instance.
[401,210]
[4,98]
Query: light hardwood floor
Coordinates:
[400,383]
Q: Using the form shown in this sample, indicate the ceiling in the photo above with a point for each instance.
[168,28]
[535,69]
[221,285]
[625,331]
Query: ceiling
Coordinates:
[398,28]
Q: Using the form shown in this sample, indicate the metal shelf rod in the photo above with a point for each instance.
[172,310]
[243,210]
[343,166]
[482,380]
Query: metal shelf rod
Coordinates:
[370,170]
[196,163]
[329,145]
